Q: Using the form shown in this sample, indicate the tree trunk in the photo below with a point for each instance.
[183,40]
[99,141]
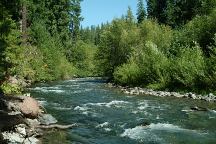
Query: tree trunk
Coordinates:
[24,24]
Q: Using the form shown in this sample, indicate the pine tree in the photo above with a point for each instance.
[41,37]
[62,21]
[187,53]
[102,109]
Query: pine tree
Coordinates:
[76,18]
[151,8]
[129,16]
[141,14]
[156,10]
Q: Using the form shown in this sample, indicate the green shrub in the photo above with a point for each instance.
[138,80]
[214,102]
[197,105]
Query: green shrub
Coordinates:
[154,65]
[188,68]
[53,64]
[148,68]
[210,78]
[115,46]
[160,35]
[8,88]
[82,56]
[127,74]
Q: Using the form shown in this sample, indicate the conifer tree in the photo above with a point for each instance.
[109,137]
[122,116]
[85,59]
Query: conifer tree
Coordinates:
[129,16]
[141,14]
[76,18]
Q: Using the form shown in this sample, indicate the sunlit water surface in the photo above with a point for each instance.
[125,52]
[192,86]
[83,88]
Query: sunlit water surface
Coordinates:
[106,116]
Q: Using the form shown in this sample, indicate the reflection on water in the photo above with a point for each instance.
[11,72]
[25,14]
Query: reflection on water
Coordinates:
[107,116]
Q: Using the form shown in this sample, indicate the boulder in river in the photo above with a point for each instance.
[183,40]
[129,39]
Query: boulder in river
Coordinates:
[29,107]
[196,108]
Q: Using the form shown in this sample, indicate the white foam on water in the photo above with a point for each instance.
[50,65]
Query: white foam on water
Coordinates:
[72,80]
[107,129]
[80,108]
[55,104]
[139,133]
[105,124]
[151,105]
[135,112]
[74,85]
[81,91]
[185,110]
[142,107]
[55,87]
[77,91]
[62,108]
[115,103]
[94,104]
[134,133]
[42,102]
[48,89]
[85,112]
[213,111]
[55,91]
[142,132]
[165,126]
[36,88]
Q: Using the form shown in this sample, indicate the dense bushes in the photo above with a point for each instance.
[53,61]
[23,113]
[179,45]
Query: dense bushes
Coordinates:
[52,58]
[115,46]
[187,69]
[128,74]
[168,59]
[83,59]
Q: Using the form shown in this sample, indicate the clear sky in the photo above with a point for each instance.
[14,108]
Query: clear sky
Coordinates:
[96,12]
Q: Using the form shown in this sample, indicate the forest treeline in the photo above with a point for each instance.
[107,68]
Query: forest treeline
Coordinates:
[169,45]
[39,41]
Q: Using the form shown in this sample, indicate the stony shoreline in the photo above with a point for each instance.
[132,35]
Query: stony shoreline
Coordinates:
[22,120]
[144,91]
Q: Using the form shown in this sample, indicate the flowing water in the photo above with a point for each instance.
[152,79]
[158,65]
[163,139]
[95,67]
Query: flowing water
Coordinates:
[106,116]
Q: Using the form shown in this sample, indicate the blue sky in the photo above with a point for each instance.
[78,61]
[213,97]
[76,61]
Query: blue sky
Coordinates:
[97,11]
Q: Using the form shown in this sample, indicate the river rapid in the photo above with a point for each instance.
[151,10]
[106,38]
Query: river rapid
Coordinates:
[107,116]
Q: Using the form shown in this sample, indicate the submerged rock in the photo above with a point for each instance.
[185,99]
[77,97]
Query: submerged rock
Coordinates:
[196,108]
[47,119]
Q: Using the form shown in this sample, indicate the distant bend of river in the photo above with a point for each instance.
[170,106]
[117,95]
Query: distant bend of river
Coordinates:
[106,116]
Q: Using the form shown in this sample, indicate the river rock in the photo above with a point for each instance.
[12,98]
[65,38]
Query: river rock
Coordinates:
[31,140]
[196,108]
[29,107]
[13,80]
[191,95]
[32,122]
[13,137]
[21,129]
[47,119]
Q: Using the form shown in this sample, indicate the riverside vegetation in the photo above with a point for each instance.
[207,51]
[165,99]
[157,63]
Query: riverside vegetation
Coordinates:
[170,46]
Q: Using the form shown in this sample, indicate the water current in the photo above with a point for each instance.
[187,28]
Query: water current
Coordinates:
[107,116]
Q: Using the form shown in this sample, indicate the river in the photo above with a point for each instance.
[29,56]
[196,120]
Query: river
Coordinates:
[107,116]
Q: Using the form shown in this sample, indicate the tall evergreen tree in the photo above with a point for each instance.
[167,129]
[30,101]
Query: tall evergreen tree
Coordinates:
[156,10]
[9,16]
[76,18]
[141,14]
[129,16]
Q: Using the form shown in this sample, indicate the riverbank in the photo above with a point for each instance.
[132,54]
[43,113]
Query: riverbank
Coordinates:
[23,120]
[144,91]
